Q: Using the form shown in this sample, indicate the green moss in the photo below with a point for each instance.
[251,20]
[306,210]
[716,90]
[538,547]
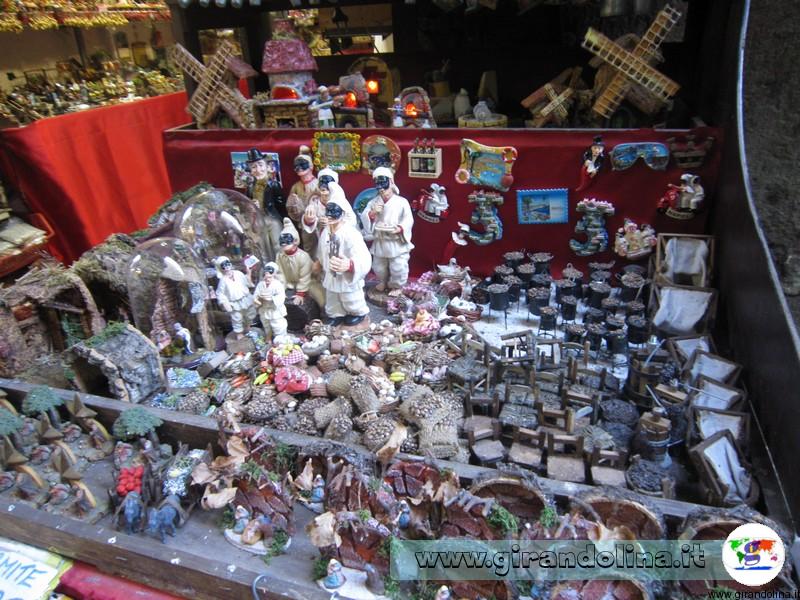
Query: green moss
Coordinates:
[392,588]
[39,400]
[375,484]
[113,329]
[277,546]
[319,569]
[385,550]
[285,456]
[252,470]
[548,517]
[364,515]
[273,476]
[135,423]
[9,422]
[502,520]
[227,521]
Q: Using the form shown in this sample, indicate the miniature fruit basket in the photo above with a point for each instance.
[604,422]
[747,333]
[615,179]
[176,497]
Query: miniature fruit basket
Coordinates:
[285,355]
[314,347]
[469,310]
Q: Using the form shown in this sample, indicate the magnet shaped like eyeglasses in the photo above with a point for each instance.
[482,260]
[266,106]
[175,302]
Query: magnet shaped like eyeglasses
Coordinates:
[655,155]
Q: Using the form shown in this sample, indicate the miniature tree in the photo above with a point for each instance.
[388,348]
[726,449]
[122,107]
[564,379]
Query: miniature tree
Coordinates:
[43,400]
[10,424]
[137,423]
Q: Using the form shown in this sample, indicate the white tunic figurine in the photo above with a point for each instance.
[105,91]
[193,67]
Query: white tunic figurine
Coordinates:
[269,298]
[295,266]
[314,219]
[233,295]
[186,335]
[389,219]
[345,262]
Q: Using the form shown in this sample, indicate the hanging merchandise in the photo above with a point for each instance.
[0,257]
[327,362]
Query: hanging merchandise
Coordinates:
[634,241]
[486,165]
[538,207]
[425,159]
[379,151]
[682,201]
[593,158]
[654,154]
[485,214]
[431,205]
[337,151]
[593,225]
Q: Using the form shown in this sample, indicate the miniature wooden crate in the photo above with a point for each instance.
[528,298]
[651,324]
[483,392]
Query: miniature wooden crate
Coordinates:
[737,400]
[730,379]
[661,248]
[469,121]
[681,357]
[694,435]
[437,170]
[715,489]
[706,321]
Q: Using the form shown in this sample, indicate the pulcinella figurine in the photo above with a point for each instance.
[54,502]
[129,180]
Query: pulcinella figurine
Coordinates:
[593,159]
[295,266]
[389,219]
[269,297]
[345,261]
[233,295]
[301,191]
[314,219]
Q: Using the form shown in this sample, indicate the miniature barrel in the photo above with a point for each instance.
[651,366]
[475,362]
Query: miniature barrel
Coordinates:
[498,296]
[597,292]
[632,285]
[538,298]
[638,329]
[594,315]
[548,316]
[569,308]
[574,333]
[525,272]
[564,287]
[594,335]
[617,341]
[541,261]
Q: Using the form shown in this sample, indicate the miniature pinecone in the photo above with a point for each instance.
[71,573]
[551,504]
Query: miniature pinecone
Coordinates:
[362,394]
[339,383]
[339,406]
[195,402]
[279,422]
[263,407]
[309,406]
[377,433]
[354,364]
[328,362]
[339,427]
[305,425]
[454,402]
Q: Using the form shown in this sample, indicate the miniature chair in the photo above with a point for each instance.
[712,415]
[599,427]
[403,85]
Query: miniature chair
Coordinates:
[608,468]
[565,458]
[527,449]
[554,420]
[484,441]
[473,369]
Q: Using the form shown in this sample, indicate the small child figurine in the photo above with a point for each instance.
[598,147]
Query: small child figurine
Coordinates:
[233,295]
[269,298]
[325,117]
[186,335]
[335,578]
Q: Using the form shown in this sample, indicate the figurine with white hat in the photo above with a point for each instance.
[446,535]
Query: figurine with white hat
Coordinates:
[388,218]
[301,191]
[295,267]
[269,298]
[233,295]
[314,219]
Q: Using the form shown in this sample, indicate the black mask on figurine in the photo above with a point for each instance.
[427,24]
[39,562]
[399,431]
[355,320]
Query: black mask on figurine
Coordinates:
[286,239]
[301,164]
[324,180]
[333,211]
[225,265]
[382,182]
[270,269]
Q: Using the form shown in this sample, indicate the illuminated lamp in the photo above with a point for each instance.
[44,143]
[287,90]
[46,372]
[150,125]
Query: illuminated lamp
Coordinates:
[284,92]
[350,100]
[411,110]
[373,87]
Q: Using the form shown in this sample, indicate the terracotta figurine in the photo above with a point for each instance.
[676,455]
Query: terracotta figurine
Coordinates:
[186,335]
[335,578]
[345,261]
[266,191]
[314,219]
[389,219]
[325,118]
[241,518]
[302,191]
[269,297]
[593,159]
[294,268]
[233,295]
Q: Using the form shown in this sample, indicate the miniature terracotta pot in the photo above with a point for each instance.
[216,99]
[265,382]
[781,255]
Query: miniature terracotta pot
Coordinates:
[498,297]
[569,308]
[598,291]
[594,335]
[564,287]
[574,333]
[541,262]
[547,318]
[616,342]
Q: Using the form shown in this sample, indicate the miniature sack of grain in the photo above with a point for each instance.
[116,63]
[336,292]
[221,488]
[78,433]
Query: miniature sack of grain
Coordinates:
[328,362]
[339,383]
[305,424]
[318,388]
[362,394]
[439,439]
[263,405]
[324,415]
[377,433]
[194,402]
[424,408]
[339,428]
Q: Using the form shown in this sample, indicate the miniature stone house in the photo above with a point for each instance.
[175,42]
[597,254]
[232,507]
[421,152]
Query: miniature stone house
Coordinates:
[288,63]
[281,113]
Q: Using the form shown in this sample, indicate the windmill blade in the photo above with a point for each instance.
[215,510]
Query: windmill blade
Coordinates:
[234,102]
[212,80]
[186,61]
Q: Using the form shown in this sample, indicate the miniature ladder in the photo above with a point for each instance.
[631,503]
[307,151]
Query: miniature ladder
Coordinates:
[633,67]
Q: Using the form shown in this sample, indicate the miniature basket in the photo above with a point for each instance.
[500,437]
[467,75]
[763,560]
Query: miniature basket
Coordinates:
[313,351]
[469,315]
[328,362]
[294,357]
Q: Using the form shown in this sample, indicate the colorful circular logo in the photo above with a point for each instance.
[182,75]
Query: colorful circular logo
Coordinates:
[753,554]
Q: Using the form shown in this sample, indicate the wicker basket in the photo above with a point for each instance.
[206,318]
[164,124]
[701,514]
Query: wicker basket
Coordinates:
[469,315]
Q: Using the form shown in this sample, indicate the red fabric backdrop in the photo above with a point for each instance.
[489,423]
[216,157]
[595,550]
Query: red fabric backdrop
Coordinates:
[547,159]
[84,582]
[95,172]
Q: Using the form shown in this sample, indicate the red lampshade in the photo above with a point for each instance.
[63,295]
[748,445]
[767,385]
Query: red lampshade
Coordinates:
[373,86]
[350,100]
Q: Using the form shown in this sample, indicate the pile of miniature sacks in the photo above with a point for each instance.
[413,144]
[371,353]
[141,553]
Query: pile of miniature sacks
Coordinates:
[353,388]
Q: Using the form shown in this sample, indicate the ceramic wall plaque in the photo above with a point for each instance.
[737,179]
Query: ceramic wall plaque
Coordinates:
[488,166]
[339,151]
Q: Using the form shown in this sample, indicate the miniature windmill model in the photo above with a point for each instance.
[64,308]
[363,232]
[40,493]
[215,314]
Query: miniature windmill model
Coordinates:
[633,67]
[213,91]
[551,103]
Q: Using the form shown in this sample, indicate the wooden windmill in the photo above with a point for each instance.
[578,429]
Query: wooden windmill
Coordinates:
[551,103]
[216,89]
[633,68]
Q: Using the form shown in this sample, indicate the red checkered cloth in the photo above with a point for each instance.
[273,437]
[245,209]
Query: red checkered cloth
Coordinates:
[294,357]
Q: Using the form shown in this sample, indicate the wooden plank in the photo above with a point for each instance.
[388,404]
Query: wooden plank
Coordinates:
[199,431]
